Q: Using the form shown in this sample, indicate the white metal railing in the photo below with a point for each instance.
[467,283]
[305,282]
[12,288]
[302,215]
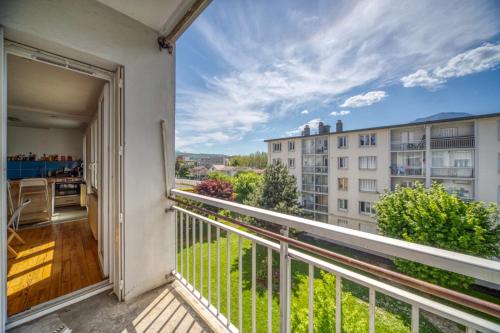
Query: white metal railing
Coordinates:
[190,228]
[408,145]
[452,172]
[453,142]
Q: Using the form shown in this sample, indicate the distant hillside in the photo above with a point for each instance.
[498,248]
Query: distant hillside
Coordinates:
[443,115]
[196,156]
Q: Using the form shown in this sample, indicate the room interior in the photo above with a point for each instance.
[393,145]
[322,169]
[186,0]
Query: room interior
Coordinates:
[53,145]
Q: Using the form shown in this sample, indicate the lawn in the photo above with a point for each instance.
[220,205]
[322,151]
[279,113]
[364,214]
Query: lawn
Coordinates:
[391,315]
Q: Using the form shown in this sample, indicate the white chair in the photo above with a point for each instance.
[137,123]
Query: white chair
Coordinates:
[12,227]
[32,187]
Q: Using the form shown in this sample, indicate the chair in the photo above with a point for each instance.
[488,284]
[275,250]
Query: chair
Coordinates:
[34,186]
[10,202]
[12,226]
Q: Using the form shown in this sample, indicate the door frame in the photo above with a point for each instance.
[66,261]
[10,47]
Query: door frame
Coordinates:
[111,178]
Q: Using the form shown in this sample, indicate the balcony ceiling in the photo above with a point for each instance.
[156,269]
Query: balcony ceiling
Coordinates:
[159,15]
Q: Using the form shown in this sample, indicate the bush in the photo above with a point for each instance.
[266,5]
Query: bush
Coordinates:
[247,186]
[215,188]
[436,218]
[216,175]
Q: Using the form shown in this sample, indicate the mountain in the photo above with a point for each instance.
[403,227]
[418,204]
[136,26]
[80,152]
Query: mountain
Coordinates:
[443,115]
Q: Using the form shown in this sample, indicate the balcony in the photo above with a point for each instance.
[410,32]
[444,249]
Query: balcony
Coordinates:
[453,142]
[408,145]
[224,280]
[404,171]
[254,294]
[315,169]
[315,188]
[452,172]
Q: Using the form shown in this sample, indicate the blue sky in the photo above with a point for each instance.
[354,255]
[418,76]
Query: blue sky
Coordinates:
[253,70]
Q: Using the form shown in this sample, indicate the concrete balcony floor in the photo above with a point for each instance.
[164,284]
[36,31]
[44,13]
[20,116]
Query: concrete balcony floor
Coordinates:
[166,309]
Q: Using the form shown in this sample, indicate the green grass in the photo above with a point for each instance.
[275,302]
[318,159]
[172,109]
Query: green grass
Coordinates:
[391,315]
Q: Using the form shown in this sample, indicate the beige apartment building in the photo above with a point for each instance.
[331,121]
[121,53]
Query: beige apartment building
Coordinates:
[341,174]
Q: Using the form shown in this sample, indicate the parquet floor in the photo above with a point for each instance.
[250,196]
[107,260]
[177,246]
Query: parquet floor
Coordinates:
[57,259]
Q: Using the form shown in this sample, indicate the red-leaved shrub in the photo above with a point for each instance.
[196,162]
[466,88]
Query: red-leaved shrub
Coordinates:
[215,188]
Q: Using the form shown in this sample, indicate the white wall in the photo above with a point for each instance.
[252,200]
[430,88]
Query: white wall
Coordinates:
[487,167]
[89,30]
[39,141]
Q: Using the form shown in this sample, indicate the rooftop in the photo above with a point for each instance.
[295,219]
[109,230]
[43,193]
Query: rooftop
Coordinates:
[415,123]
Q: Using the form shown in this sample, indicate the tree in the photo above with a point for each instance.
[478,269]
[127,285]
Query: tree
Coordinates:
[436,218]
[254,160]
[215,188]
[248,187]
[280,190]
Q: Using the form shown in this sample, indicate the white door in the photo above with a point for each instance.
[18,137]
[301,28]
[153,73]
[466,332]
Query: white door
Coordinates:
[102,150]
[117,182]
[3,182]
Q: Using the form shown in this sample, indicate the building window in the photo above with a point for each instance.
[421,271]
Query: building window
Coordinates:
[342,222]
[367,140]
[276,160]
[368,185]
[342,204]
[276,147]
[291,145]
[342,181]
[291,163]
[368,162]
[366,208]
[447,132]
[342,142]
[342,162]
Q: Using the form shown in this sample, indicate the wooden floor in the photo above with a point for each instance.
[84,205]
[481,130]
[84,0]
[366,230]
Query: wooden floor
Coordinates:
[57,259]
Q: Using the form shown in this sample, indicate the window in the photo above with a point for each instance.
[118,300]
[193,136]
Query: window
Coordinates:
[342,181]
[447,132]
[291,163]
[276,160]
[366,208]
[277,146]
[342,204]
[291,145]
[368,185]
[342,222]
[367,140]
[368,162]
[342,162]
[342,142]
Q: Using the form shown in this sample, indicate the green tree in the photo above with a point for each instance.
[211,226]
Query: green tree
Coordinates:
[248,187]
[436,218]
[280,190]
[254,160]
[216,175]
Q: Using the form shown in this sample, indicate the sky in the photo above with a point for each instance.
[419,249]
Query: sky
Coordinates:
[254,70]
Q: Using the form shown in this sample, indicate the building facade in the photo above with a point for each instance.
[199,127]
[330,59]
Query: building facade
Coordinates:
[342,174]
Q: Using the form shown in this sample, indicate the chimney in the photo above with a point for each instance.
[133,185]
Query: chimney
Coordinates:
[339,126]
[321,128]
[326,129]
[306,131]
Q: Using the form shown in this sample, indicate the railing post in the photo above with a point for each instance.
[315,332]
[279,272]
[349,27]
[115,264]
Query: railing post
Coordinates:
[284,284]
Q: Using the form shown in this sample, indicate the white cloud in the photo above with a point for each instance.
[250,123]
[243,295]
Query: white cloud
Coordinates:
[313,124]
[421,78]
[367,99]
[304,112]
[267,69]
[471,61]
[340,113]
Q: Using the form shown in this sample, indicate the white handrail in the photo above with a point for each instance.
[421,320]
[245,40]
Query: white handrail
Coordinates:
[479,268]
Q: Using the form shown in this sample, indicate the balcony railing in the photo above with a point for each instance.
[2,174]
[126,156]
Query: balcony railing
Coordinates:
[404,170]
[453,172]
[411,145]
[315,169]
[195,229]
[453,142]
[315,188]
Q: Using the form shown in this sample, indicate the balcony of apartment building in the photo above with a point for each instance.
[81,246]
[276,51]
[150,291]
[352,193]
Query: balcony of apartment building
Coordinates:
[453,136]
[452,164]
[408,139]
[408,164]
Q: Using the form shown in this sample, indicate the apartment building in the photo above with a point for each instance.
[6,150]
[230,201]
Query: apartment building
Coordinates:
[341,174]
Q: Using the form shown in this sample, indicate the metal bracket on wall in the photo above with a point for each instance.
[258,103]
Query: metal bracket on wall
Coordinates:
[164,43]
